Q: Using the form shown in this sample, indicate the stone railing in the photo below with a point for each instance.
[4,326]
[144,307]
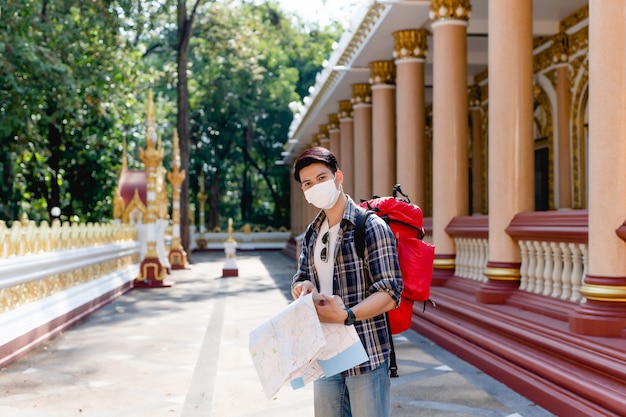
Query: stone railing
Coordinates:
[247,238]
[553,247]
[471,237]
[51,276]
[38,261]
[553,250]
[24,237]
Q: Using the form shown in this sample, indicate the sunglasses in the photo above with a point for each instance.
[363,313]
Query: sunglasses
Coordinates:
[324,253]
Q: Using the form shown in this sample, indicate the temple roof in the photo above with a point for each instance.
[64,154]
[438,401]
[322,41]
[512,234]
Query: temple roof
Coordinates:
[131,180]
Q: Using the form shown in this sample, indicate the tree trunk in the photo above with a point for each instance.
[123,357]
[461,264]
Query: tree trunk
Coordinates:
[185,24]
[214,199]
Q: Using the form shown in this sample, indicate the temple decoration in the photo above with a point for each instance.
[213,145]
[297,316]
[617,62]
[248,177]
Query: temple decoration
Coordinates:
[152,272]
[410,43]
[345,109]
[382,72]
[361,94]
[450,9]
[230,250]
[201,241]
[177,255]
[333,122]
[323,136]
[129,200]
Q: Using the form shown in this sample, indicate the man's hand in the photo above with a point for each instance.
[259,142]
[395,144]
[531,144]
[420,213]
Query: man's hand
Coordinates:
[302,288]
[330,309]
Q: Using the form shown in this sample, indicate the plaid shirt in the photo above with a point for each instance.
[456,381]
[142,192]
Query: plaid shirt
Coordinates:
[350,277]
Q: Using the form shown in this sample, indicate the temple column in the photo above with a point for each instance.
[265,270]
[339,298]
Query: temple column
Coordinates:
[298,217]
[563,100]
[604,287]
[450,177]
[294,220]
[410,48]
[382,80]
[346,145]
[362,109]
[477,149]
[511,145]
[334,134]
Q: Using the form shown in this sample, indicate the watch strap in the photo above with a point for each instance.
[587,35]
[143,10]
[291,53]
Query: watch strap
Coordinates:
[351,317]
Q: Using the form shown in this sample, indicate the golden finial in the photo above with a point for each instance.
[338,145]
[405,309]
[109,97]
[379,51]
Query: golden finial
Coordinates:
[124,160]
[150,108]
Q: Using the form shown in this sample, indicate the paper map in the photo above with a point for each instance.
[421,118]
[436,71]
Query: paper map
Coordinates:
[294,347]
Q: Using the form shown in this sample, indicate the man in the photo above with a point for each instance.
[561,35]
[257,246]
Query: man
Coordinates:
[347,289]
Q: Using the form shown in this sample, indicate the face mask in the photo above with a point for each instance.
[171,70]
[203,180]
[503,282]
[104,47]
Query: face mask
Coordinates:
[323,195]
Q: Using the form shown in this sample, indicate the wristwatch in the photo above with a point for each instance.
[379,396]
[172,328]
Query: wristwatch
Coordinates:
[350,319]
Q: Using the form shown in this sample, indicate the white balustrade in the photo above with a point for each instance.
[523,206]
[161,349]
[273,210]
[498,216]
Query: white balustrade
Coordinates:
[471,258]
[553,269]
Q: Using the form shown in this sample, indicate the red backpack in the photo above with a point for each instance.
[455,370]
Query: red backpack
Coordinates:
[415,256]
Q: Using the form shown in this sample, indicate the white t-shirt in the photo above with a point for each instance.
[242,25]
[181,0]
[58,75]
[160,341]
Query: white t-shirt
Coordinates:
[325,269]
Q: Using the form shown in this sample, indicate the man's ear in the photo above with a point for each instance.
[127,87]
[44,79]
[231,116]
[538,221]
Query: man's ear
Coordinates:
[339,175]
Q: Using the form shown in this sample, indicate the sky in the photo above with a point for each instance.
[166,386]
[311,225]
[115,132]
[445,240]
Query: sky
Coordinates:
[323,11]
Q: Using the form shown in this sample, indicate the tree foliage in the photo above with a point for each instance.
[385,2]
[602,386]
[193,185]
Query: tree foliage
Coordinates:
[73,81]
[67,87]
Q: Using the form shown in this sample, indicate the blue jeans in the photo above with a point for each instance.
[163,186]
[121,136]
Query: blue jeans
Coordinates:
[365,395]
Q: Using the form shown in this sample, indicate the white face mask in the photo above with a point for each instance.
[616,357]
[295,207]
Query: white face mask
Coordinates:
[323,195]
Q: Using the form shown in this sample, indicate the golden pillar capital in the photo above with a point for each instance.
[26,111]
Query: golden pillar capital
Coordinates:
[323,132]
[450,10]
[345,109]
[382,72]
[361,93]
[474,97]
[315,141]
[323,137]
[333,122]
[560,48]
[410,43]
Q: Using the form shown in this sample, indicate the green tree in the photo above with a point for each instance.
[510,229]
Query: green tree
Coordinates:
[248,70]
[67,84]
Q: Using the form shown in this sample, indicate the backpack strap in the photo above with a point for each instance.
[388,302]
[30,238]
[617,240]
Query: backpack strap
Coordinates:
[359,243]
[307,236]
[359,232]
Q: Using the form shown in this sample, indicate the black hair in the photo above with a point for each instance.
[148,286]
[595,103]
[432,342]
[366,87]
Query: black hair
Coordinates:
[314,155]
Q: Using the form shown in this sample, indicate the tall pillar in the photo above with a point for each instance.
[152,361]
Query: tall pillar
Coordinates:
[563,99]
[362,109]
[346,145]
[382,79]
[334,135]
[177,255]
[477,148]
[151,271]
[294,220]
[604,313]
[410,48]
[511,145]
[450,177]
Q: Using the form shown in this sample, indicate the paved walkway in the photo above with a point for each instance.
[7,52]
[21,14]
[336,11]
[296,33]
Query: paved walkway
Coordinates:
[183,352]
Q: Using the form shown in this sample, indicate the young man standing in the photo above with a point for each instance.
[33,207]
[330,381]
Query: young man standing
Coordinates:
[347,289]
